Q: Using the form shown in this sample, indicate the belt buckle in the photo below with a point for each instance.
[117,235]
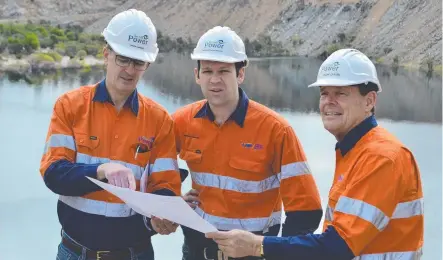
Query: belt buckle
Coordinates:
[98,254]
[221,256]
[204,254]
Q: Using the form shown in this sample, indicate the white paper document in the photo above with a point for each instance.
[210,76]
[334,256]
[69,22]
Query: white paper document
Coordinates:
[172,208]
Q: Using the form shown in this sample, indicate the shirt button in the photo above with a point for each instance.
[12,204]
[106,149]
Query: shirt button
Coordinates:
[81,141]
[116,136]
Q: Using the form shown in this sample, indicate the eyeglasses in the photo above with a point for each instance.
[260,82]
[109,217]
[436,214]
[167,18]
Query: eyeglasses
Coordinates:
[126,62]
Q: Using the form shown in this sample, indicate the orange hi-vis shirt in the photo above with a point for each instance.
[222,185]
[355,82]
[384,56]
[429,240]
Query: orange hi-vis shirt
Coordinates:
[376,201]
[86,131]
[245,168]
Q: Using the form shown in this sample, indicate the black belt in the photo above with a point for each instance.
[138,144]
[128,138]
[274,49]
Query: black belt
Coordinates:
[210,253]
[104,255]
[197,246]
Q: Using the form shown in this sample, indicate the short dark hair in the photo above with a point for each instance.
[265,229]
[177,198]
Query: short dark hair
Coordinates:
[364,89]
[238,66]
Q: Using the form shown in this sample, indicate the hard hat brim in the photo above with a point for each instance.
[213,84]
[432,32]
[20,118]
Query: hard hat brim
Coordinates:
[216,57]
[134,53]
[338,83]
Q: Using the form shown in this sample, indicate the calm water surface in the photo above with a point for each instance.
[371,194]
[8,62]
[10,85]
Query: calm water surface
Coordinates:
[409,106]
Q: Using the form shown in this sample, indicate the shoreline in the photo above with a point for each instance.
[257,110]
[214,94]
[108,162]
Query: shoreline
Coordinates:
[28,65]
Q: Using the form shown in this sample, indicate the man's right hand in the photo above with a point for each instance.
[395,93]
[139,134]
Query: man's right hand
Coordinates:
[117,175]
[191,197]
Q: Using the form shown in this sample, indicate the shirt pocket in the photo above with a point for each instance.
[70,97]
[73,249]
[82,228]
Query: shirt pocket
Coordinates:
[250,179]
[251,176]
[86,144]
[247,166]
[140,154]
[191,157]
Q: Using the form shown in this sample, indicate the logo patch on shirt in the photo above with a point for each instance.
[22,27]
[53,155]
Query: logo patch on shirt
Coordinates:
[246,145]
[146,142]
[258,147]
[253,146]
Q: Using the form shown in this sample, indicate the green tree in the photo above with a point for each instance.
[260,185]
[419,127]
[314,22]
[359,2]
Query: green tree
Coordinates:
[32,40]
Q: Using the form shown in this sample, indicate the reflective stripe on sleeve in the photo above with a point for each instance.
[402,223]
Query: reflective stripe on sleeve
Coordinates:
[362,210]
[98,207]
[295,169]
[60,140]
[409,255]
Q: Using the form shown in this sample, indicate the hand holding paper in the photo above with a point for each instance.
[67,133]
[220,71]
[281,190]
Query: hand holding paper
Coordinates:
[172,208]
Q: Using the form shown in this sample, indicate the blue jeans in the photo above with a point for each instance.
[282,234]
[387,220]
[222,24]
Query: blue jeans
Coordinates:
[65,253]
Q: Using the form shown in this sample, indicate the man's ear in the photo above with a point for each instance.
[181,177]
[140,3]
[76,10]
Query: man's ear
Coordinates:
[371,100]
[241,75]
[106,53]
[196,75]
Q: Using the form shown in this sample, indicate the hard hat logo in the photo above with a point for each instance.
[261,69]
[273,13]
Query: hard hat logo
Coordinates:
[332,67]
[214,45]
[139,39]
[331,70]
[132,34]
[220,44]
[346,67]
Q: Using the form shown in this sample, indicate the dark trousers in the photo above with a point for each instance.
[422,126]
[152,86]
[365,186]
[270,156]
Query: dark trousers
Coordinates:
[197,247]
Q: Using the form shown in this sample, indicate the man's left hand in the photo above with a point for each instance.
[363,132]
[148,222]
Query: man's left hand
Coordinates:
[163,226]
[237,243]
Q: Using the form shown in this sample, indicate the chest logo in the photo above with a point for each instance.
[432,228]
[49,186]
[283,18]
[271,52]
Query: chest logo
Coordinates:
[146,143]
[253,146]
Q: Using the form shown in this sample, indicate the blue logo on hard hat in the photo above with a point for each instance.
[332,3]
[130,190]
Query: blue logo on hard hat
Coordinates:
[331,69]
[214,45]
[143,39]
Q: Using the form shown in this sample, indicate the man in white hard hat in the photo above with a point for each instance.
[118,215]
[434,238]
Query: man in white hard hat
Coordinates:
[245,159]
[375,208]
[110,132]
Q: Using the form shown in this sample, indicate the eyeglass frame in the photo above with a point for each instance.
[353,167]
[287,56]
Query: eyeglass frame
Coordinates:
[130,60]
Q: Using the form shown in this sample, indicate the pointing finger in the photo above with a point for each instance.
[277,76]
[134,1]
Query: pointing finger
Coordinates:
[132,183]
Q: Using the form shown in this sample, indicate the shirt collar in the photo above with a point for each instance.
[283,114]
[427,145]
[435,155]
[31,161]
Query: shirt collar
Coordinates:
[102,95]
[239,114]
[351,138]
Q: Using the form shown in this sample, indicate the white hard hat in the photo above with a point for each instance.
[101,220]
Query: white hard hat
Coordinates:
[346,67]
[220,44]
[132,34]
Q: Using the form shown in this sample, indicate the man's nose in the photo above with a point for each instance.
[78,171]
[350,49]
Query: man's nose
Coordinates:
[130,69]
[215,79]
[331,98]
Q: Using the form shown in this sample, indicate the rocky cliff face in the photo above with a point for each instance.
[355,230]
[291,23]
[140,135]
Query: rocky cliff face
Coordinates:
[407,30]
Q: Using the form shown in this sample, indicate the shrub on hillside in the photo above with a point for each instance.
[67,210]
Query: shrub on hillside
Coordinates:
[81,54]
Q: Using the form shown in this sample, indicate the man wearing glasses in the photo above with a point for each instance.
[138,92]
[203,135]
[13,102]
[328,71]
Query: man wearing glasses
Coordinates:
[110,132]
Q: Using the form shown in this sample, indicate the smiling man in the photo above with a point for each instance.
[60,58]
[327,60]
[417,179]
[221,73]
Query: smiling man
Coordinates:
[110,132]
[375,208]
[245,159]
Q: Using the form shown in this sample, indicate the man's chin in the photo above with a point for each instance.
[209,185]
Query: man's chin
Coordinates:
[126,86]
[330,127]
